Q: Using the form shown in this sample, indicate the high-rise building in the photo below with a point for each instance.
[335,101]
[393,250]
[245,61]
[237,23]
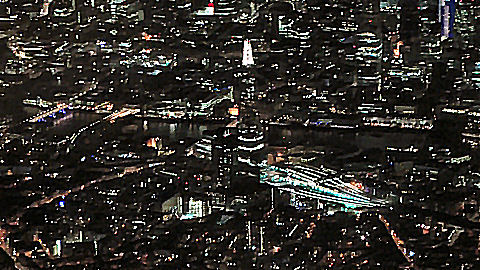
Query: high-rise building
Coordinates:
[430,37]
[466,22]
[245,92]
[251,141]
[410,30]
[224,156]
[279,18]
[430,48]
[446,17]
[247,59]
[368,57]
[476,75]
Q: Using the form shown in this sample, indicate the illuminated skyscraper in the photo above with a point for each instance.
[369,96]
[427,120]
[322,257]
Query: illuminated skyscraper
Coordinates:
[251,141]
[249,137]
[224,155]
[245,93]
[247,54]
[446,15]
[368,57]
[430,49]
[466,22]
[429,31]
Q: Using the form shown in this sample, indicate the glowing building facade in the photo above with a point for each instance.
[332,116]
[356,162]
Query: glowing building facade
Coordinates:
[247,59]
[368,57]
[446,14]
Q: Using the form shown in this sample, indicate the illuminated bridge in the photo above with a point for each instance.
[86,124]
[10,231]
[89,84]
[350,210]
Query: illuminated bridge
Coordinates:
[110,118]
[119,114]
[42,115]
[317,183]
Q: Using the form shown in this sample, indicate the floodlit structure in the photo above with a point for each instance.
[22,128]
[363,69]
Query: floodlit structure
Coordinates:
[317,183]
[446,16]
[247,54]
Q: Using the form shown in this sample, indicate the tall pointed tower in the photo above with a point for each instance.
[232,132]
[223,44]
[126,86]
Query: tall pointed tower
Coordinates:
[247,54]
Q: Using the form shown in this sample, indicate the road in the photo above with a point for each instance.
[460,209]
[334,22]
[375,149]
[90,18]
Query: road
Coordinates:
[398,242]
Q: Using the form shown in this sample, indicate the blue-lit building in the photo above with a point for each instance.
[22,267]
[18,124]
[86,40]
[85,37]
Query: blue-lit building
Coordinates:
[447,17]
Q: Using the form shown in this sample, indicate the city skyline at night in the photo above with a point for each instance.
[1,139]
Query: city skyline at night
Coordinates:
[239,134]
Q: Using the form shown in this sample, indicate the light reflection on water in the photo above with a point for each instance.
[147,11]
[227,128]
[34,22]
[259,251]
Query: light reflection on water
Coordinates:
[72,121]
[65,125]
[175,131]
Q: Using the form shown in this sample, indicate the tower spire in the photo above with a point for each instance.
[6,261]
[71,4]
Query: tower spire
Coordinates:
[247,54]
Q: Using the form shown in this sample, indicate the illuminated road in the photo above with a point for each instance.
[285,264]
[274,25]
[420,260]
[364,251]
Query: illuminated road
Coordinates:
[104,178]
[317,183]
[398,242]
[127,171]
